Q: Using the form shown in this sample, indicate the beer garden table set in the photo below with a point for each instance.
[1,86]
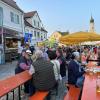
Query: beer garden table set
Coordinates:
[91,87]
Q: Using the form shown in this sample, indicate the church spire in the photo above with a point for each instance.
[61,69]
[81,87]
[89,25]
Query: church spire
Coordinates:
[92,28]
[91,20]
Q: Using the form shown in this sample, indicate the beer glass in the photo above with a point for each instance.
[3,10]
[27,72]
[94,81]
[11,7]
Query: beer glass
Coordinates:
[98,84]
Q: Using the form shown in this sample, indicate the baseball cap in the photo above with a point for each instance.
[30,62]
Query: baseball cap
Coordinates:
[28,52]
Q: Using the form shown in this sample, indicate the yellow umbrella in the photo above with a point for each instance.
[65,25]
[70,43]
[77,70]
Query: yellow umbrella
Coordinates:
[80,37]
[69,43]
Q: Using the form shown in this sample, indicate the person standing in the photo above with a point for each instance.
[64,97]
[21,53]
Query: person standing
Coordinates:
[61,89]
[63,67]
[23,64]
[56,65]
[62,63]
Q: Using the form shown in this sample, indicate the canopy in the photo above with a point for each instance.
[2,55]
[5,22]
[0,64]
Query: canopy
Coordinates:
[89,43]
[79,37]
[69,43]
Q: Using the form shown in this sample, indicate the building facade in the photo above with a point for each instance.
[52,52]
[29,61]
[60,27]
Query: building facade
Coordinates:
[56,35]
[12,16]
[34,26]
[92,26]
[11,25]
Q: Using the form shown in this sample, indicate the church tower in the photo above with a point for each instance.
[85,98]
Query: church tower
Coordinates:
[92,28]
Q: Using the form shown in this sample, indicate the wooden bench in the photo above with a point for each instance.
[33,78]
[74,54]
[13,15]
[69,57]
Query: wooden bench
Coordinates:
[39,96]
[16,81]
[73,93]
[13,82]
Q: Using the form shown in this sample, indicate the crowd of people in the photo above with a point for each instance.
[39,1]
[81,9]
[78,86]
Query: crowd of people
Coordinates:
[53,68]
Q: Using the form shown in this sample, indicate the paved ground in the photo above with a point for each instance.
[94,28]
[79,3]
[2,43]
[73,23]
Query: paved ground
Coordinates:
[6,71]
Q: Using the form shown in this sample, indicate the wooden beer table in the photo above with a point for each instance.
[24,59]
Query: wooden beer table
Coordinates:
[89,88]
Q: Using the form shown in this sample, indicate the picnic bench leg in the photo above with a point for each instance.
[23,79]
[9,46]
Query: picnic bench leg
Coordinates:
[13,94]
[7,96]
[19,93]
[21,87]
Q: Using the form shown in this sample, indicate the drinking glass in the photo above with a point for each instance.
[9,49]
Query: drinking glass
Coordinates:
[98,84]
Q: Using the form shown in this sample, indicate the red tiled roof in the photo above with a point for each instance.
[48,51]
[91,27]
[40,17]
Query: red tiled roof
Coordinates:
[12,3]
[30,14]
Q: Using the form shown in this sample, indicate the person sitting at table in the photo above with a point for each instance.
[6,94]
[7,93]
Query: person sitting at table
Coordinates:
[98,57]
[43,76]
[83,59]
[24,63]
[86,52]
[75,71]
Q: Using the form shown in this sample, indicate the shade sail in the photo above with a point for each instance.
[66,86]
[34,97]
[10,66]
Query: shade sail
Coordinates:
[80,37]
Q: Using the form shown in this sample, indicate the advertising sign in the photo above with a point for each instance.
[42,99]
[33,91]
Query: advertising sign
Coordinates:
[28,37]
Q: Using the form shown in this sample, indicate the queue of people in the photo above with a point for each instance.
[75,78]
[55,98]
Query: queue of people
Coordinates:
[49,68]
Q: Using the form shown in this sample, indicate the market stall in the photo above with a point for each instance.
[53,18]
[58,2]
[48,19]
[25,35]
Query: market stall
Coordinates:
[11,40]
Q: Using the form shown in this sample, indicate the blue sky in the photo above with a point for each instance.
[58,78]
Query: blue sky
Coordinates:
[64,15]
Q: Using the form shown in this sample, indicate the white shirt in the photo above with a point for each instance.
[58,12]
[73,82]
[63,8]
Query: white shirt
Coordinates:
[56,69]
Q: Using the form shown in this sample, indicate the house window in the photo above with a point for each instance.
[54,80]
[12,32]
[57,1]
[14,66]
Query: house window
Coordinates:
[38,24]
[17,19]
[34,23]
[34,33]
[38,34]
[14,18]
[44,36]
